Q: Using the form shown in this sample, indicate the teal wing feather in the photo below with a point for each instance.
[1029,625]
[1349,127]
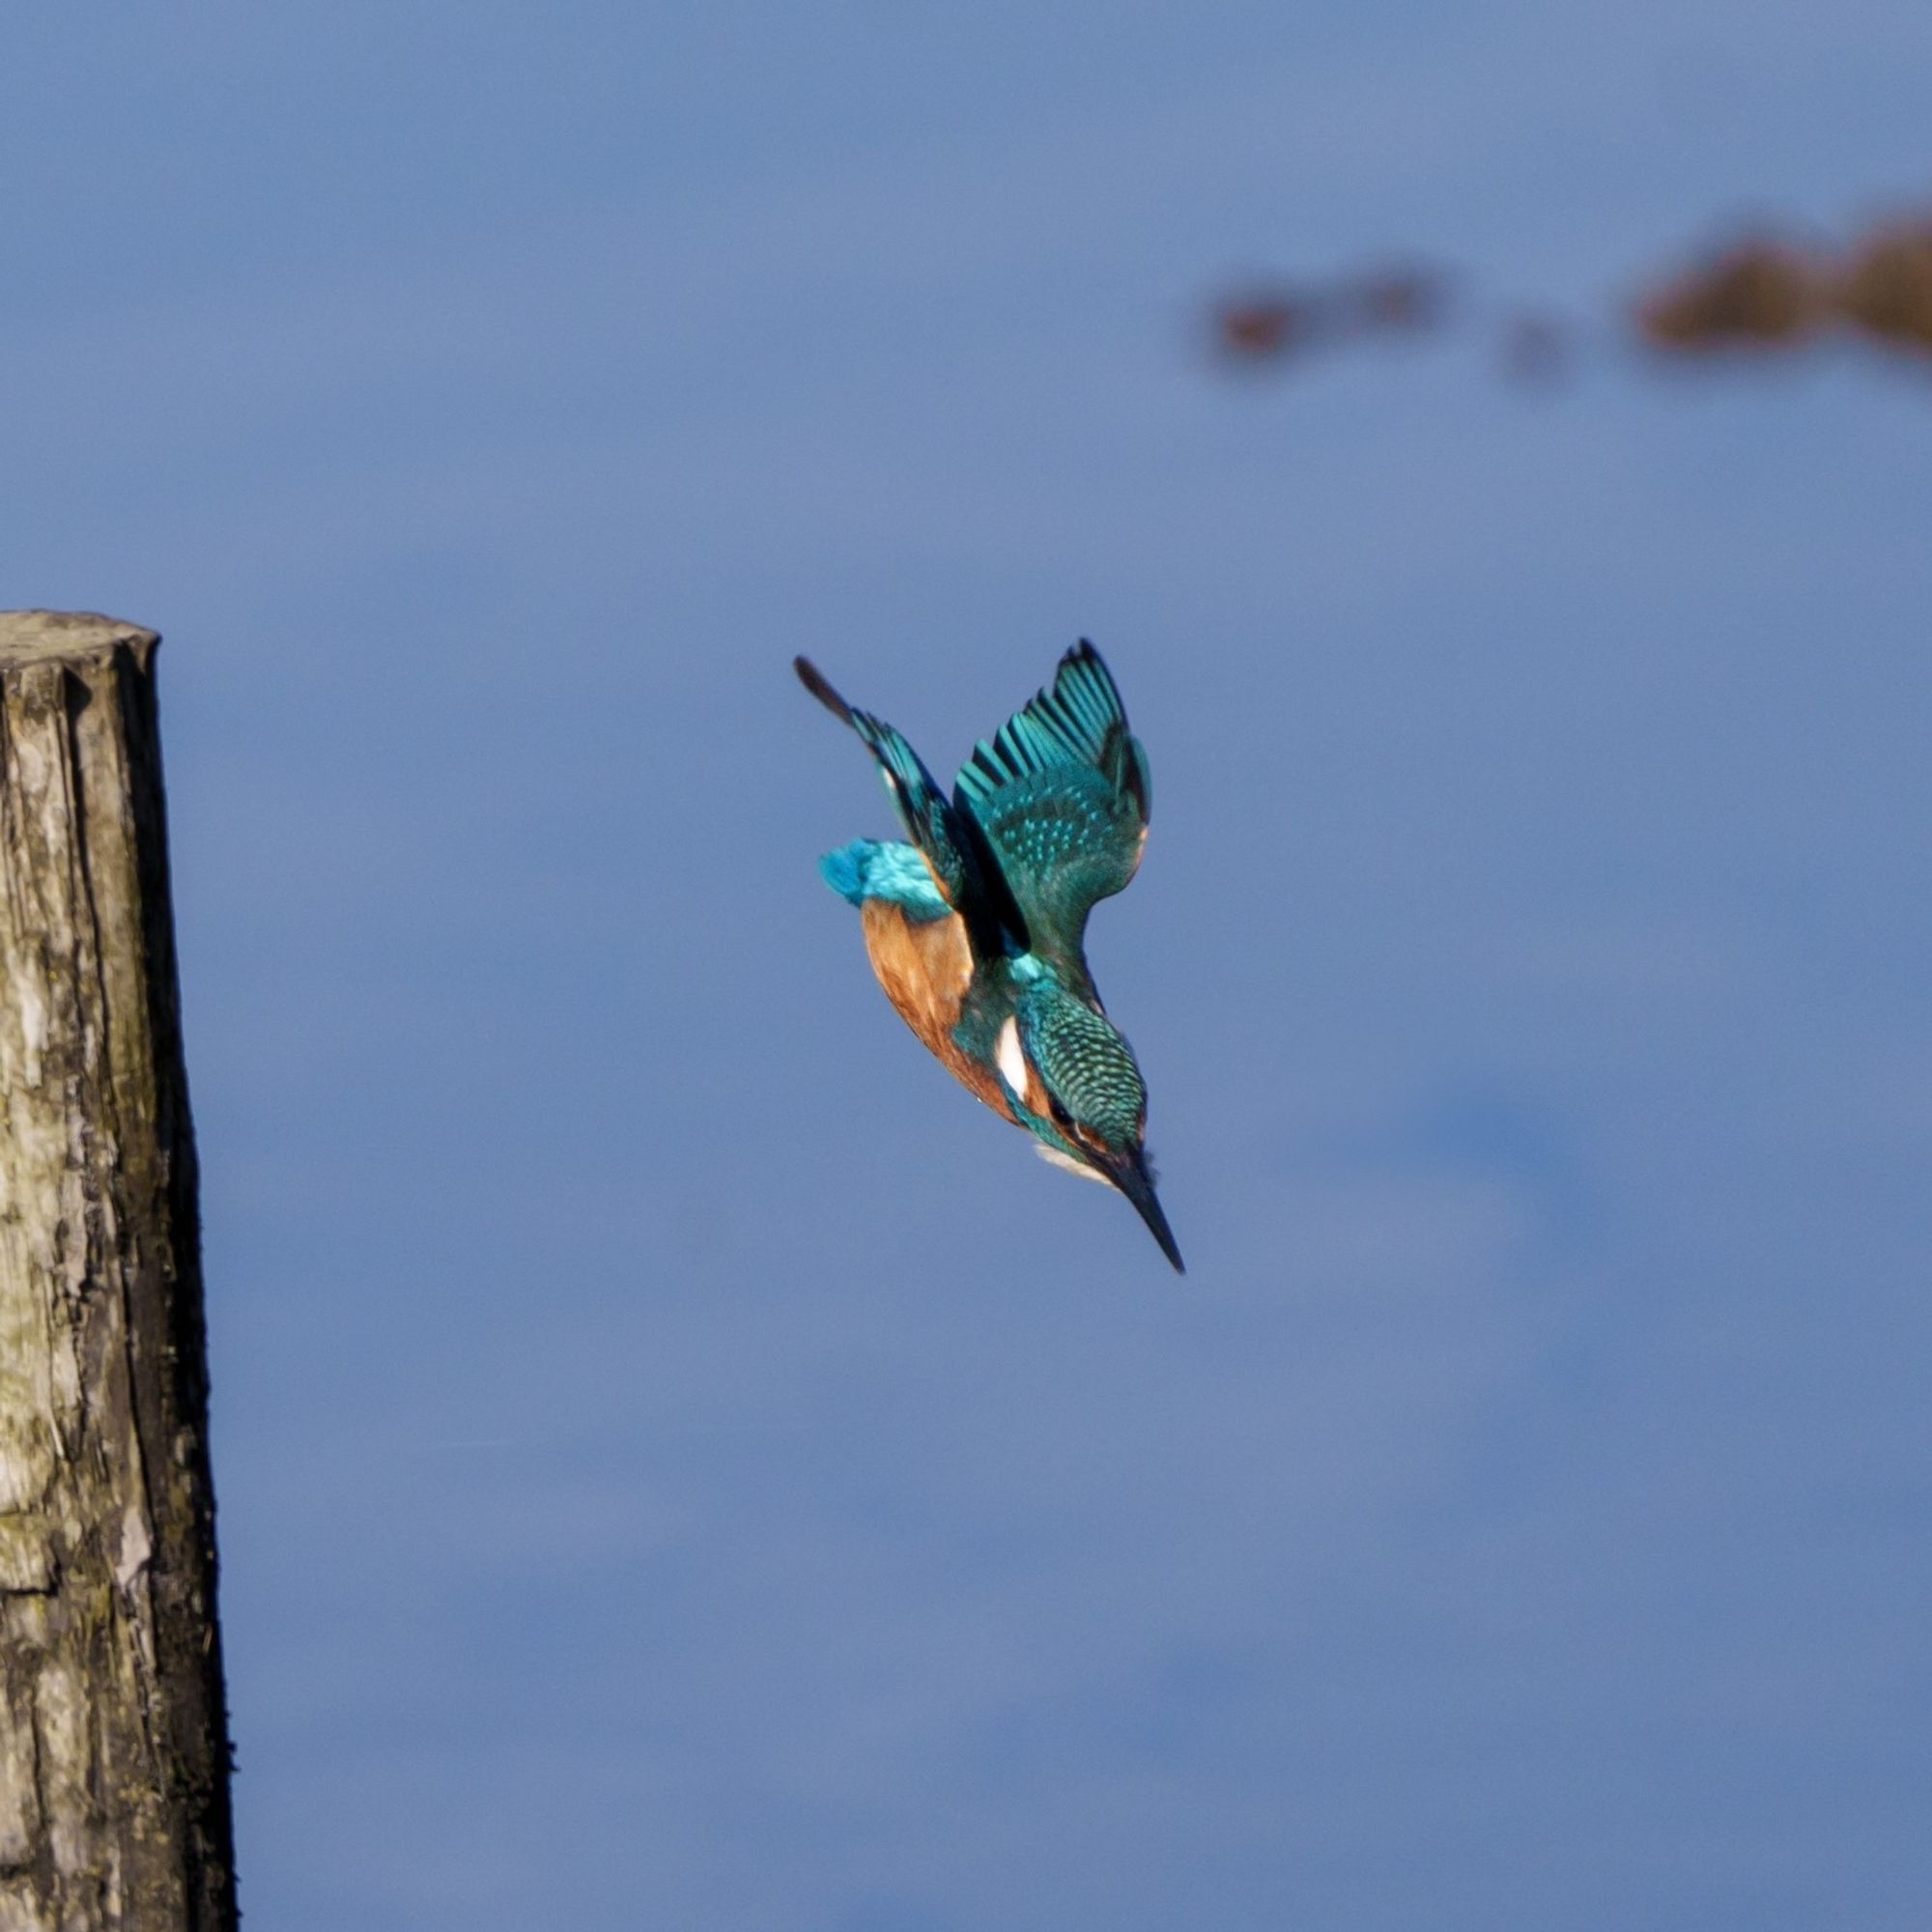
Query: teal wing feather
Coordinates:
[930,820]
[1061,797]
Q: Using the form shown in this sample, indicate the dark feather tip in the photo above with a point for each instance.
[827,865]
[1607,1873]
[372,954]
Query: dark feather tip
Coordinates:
[813,680]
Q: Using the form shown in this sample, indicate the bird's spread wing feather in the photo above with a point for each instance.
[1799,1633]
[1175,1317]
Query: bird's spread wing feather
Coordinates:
[1061,797]
[930,820]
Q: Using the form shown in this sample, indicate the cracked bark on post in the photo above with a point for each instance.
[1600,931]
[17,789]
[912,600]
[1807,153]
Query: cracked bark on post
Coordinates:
[113,1731]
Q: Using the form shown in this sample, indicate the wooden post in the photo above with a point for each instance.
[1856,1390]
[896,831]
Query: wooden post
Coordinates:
[113,1730]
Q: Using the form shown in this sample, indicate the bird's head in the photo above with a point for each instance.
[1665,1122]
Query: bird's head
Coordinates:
[1075,1085]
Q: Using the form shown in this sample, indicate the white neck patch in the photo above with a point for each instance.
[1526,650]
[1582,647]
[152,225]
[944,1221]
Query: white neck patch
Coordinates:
[1010,1059]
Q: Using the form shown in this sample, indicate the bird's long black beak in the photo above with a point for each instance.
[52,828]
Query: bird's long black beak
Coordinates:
[1128,1172]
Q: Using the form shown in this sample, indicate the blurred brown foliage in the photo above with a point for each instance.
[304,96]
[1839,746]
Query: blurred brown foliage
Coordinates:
[1761,293]
[1758,293]
[1288,321]
[1886,287]
[1772,293]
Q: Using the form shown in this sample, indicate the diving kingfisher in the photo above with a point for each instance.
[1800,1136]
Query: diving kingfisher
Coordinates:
[976,928]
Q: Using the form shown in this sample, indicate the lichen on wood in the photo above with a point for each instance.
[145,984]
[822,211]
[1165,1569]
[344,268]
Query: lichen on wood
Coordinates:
[114,1808]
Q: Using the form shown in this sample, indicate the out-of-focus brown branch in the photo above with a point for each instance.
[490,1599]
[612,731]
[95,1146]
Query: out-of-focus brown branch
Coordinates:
[1885,289]
[1291,319]
[1764,294]
[1773,292]
[1761,294]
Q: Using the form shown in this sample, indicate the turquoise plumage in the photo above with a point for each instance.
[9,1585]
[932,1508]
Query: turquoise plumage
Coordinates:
[977,928]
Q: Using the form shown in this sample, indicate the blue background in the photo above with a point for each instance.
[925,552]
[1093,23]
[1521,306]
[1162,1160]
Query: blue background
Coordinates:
[680,1461]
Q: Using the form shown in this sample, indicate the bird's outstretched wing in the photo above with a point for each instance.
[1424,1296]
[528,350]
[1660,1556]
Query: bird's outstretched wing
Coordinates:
[934,824]
[1060,796]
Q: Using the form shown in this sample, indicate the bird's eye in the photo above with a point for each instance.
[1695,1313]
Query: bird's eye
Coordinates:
[1062,1119]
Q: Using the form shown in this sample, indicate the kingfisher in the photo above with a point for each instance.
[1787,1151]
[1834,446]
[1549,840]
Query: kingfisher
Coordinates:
[976,927]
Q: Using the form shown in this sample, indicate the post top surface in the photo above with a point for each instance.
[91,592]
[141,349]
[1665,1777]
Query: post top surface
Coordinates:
[36,637]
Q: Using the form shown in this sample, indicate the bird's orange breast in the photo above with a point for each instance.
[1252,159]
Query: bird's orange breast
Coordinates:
[925,965]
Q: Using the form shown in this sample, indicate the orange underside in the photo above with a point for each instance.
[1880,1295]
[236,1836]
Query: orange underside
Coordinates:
[926,967]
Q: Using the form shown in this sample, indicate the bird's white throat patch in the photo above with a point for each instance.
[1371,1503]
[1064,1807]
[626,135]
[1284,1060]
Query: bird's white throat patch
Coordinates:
[1054,1157]
[1010,1058]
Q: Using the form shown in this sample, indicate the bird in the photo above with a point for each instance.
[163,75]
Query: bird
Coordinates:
[976,923]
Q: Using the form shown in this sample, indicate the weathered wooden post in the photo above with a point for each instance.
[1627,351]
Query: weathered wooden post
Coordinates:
[113,1731]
